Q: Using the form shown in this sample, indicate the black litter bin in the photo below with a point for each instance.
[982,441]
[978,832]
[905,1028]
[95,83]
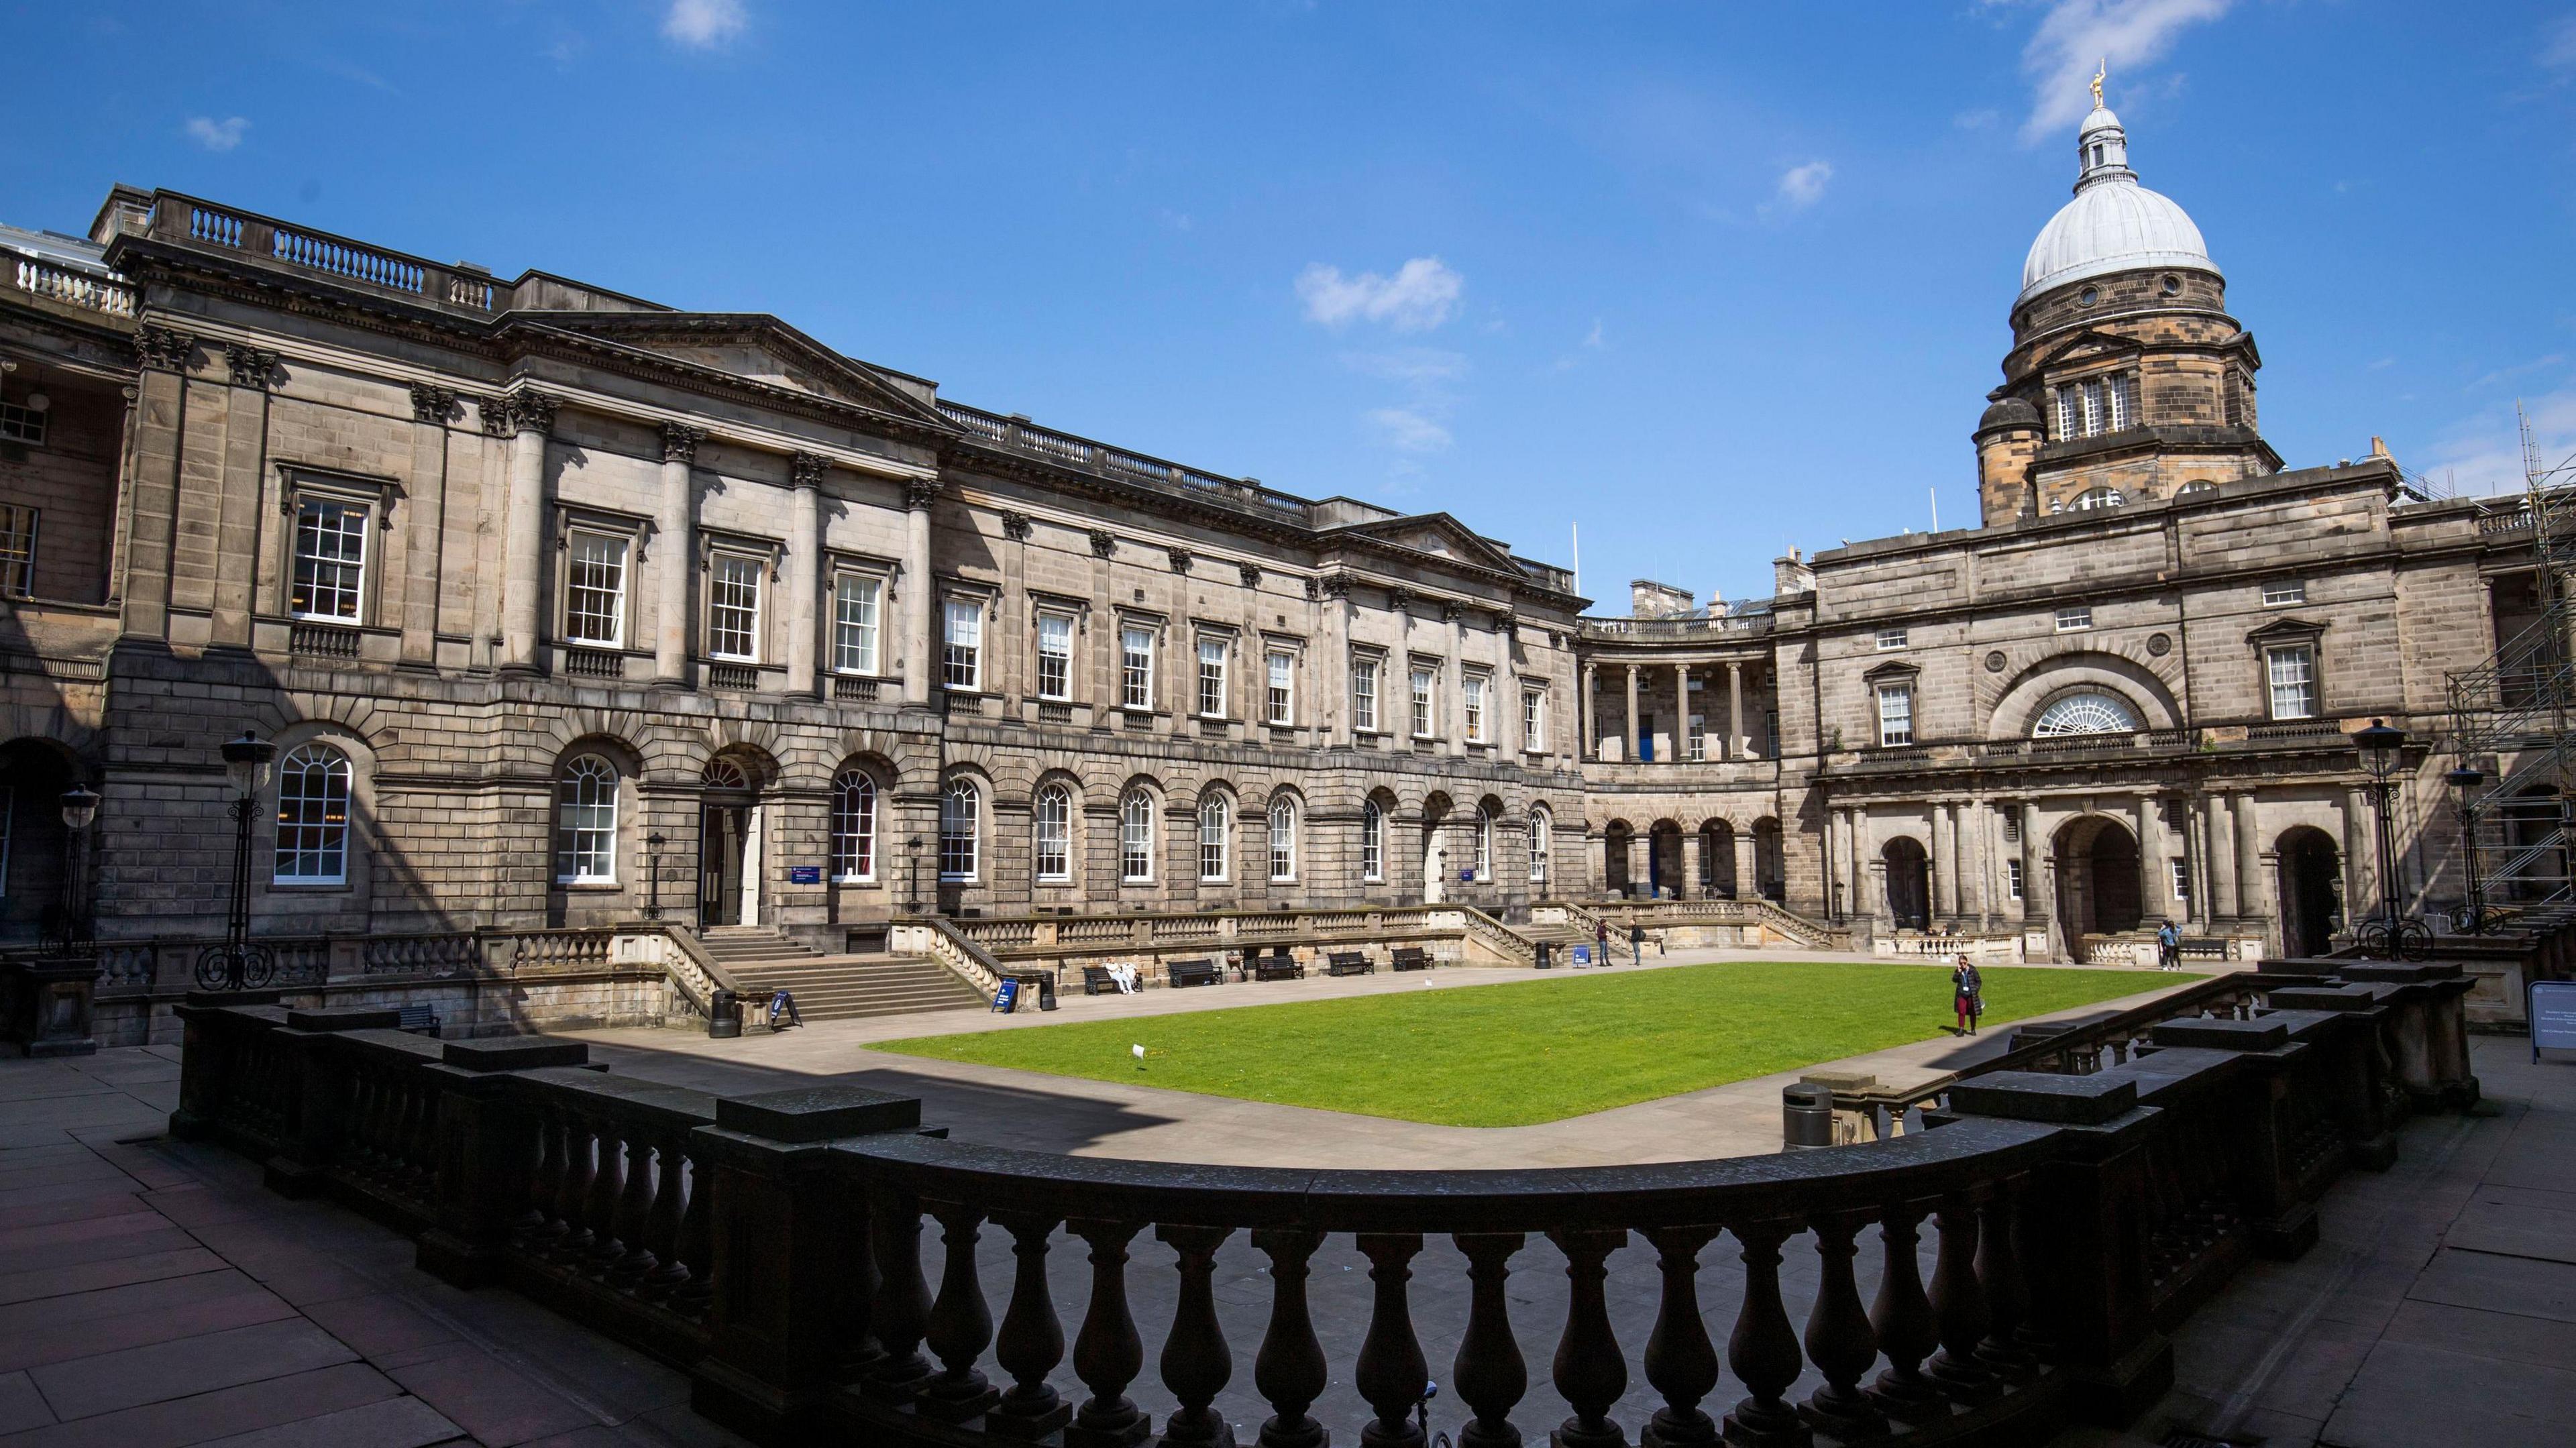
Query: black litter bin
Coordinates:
[1046,992]
[724,1016]
[1806,1116]
[1546,956]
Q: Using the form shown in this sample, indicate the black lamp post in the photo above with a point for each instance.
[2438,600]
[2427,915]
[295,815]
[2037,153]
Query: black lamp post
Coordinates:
[2383,753]
[72,933]
[2473,909]
[653,876]
[236,964]
[912,864]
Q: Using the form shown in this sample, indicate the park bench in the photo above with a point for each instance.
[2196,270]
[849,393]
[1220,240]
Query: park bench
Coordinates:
[1412,957]
[1192,972]
[420,1021]
[1349,962]
[1096,980]
[1278,965]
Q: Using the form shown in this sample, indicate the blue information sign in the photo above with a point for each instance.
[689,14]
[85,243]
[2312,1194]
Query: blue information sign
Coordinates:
[804,874]
[1583,955]
[2553,1016]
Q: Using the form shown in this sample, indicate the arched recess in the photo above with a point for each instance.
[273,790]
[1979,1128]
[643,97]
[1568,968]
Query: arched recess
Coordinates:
[1377,821]
[1617,841]
[1770,860]
[291,868]
[1664,859]
[1055,832]
[34,773]
[1717,877]
[2311,890]
[1909,883]
[2088,670]
[1433,852]
[2100,887]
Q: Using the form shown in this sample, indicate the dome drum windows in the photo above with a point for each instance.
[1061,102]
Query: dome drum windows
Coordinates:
[2096,406]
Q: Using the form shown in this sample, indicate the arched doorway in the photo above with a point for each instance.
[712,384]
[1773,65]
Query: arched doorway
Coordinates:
[1770,863]
[2098,885]
[729,821]
[1614,857]
[33,775]
[1717,860]
[2311,891]
[1435,856]
[1664,860]
[1909,883]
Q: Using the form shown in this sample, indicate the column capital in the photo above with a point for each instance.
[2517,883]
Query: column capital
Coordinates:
[513,413]
[1452,612]
[1336,585]
[918,493]
[1399,600]
[1181,559]
[680,442]
[1016,526]
[164,349]
[1103,543]
[251,366]
[1314,587]
[1250,573]
[432,403]
[805,470]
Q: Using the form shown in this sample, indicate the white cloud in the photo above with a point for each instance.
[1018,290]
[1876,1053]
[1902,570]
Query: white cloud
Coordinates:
[704,24]
[1804,186]
[2076,35]
[2558,46]
[216,135]
[1409,431]
[1421,295]
[2483,454]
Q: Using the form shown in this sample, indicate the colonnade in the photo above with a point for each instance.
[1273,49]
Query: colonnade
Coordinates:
[1735,743]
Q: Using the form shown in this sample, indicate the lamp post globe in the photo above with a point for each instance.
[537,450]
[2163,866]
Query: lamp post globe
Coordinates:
[79,806]
[2382,748]
[2472,917]
[71,934]
[2383,753]
[236,964]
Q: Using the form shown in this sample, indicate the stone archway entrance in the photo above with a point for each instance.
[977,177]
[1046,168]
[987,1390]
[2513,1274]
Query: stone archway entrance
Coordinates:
[1909,883]
[2098,886]
[1664,860]
[2311,891]
[729,820]
[1717,860]
[1435,855]
[33,775]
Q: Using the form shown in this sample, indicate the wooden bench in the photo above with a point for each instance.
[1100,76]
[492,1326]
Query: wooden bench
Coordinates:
[1096,980]
[1349,962]
[420,1021]
[1278,965]
[1192,972]
[1412,957]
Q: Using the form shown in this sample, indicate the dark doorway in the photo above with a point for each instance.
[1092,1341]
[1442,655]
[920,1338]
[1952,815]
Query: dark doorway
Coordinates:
[1717,860]
[33,776]
[1614,858]
[725,830]
[2311,905]
[1909,883]
[2112,863]
[1664,860]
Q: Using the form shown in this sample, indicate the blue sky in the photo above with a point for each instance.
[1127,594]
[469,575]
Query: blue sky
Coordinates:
[1709,280]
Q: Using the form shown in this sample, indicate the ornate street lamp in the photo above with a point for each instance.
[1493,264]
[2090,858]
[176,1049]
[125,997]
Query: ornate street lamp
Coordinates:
[72,931]
[2472,918]
[2383,753]
[237,964]
[653,875]
[912,864]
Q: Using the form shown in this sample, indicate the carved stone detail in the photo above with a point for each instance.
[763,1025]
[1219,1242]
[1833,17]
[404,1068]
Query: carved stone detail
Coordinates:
[918,493]
[1015,526]
[1251,574]
[1452,612]
[1314,589]
[680,442]
[1399,599]
[432,403]
[806,469]
[163,348]
[1103,542]
[1182,558]
[251,366]
[1337,585]
[522,412]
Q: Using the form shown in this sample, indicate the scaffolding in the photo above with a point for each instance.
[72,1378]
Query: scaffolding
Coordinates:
[2513,721]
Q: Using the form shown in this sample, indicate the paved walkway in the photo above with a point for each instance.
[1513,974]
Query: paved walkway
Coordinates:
[153,1295]
[999,1106]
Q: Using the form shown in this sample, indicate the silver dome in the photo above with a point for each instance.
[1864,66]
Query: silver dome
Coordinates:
[2113,224]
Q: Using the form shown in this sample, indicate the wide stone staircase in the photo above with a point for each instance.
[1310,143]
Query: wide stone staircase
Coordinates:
[832,987]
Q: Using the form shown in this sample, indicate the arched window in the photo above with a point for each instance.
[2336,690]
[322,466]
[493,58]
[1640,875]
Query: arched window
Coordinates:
[1216,821]
[1372,842]
[960,811]
[312,817]
[1283,839]
[2092,498]
[854,827]
[2196,485]
[1539,826]
[586,822]
[1484,842]
[1136,836]
[2084,714]
[1055,833]
[724,773]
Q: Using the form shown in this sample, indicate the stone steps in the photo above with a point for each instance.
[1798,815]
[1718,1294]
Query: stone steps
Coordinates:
[845,987]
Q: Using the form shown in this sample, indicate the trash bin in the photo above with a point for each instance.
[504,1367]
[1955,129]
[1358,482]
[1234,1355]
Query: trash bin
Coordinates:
[1806,1116]
[1046,992]
[1546,955]
[724,1016]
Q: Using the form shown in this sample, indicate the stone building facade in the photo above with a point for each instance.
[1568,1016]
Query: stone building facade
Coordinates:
[561,605]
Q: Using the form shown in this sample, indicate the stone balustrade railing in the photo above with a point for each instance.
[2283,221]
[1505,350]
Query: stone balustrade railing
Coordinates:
[2027,1251]
[39,277]
[939,938]
[1655,914]
[1024,939]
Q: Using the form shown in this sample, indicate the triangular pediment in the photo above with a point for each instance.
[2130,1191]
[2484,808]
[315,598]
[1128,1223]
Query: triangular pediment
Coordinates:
[1437,534]
[753,346]
[2090,346]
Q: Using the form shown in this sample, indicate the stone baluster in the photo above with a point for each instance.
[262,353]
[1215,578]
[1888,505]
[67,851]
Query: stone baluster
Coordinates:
[663,1224]
[960,1324]
[1031,1341]
[2006,1352]
[1391,1374]
[1839,1339]
[1589,1372]
[1196,1362]
[1680,1360]
[1959,1307]
[539,1225]
[1290,1370]
[607,1184]
[1763,1349]
[362,1122]
[903,1299]
[697,1242]
[1107,1351]
[571,1204]
[635,1210]
[1488,1371]
[1902,1319]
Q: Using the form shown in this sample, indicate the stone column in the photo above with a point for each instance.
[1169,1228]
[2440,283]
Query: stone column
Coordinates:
[532,420]
[1691,843]
[431,407]
[921,593]
[2360,857]
[1587,743]
[1454,709]
[1936,888]
[1681,712]
[159,433]
[1748,862]
[1628,750]
[1336,589]
[2196,852]
[804,568]
[2218,831]
[2036,906]
[2249,856]
[1981,831]
[2156,901]
[675,550]
[248,503]
[1736,734]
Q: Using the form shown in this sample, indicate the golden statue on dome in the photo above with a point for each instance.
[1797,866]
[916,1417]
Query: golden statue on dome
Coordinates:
[2099,72]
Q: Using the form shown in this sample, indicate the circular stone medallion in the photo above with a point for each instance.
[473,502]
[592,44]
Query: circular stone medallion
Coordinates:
[2159,644]
[1995,662]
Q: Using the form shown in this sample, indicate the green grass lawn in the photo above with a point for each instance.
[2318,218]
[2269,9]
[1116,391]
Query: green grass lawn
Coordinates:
[1513,1055]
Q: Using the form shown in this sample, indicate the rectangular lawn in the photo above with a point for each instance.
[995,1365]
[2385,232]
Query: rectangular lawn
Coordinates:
[1542,1050]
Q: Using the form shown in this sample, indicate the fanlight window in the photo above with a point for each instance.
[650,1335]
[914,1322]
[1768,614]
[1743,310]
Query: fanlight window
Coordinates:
[2084,714]
[2092,498]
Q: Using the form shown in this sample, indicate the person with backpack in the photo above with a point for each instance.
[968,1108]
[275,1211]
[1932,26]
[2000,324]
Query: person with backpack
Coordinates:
[1600,942]
[1966,990]
[2168,947]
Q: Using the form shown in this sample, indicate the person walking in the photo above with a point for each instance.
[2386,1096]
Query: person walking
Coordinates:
[1965,989]
[1636,943]
[2168,947]
[1600,942]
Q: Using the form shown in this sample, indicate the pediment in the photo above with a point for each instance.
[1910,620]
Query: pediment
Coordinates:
[2090,346]
[752,346]
[1439,535]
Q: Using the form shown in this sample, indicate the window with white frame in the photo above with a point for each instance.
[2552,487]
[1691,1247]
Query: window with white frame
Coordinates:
[1540,828]
[1282,668]
[1136,667]
[2012,879]
[17,550]
[2181,879]
[1895,715]
[2097,405]
[961,657]
[1372,842]
[961,823]
[1055,833]
[1136,837]
[330,560]
[857,611]
[733,606]
[1212,654]
[1891,638]
[586,822]
[1472,699]
[312,817]
[2093,498]
[1484,843]
[1283,840]
[1055,656]
[854,827]
[1422,686]
[21,424]
[2284,591]
[2291,670]
[1216,823]
[1364,695]
[595,588]
[1534,719]
[2074,619]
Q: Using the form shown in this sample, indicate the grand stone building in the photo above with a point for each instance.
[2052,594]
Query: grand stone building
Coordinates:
[558,602]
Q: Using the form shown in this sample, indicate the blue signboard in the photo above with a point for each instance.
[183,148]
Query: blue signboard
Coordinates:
[1583,955]
[2553,1016]
[804,874]
[1466,877]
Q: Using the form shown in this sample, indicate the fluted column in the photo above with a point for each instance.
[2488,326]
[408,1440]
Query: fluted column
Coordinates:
[1681,713]
[532,420]
[674,547]
[1629,749]
[1587,739]
[2249,856]
[1455,615]
[921,594]
[1736,734]
[804,569]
